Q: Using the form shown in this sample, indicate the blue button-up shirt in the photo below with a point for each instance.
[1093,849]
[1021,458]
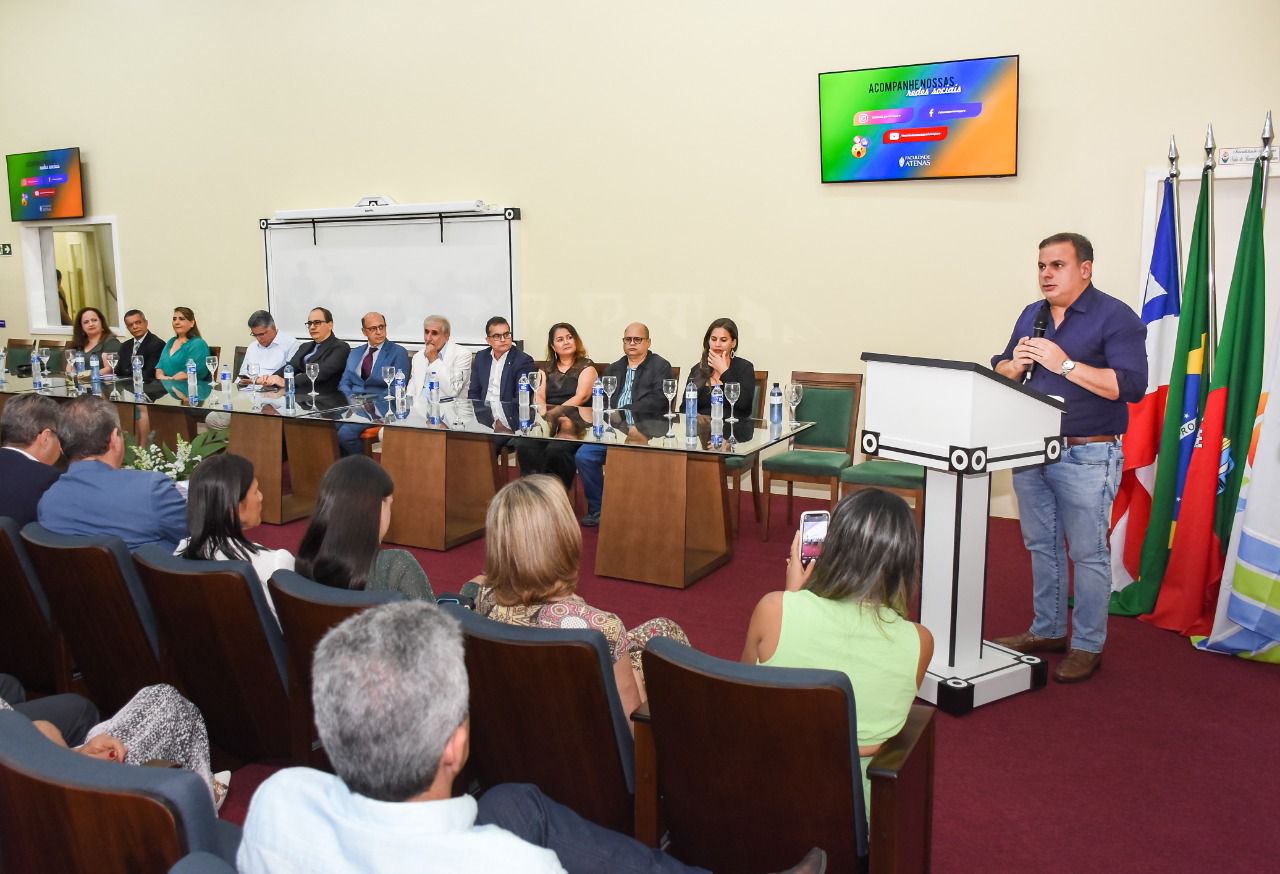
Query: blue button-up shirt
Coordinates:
[1099,331]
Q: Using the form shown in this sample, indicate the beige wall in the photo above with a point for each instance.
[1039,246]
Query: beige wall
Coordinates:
[665,154]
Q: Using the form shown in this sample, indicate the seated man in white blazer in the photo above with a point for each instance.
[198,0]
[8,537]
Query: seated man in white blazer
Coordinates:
[447,360]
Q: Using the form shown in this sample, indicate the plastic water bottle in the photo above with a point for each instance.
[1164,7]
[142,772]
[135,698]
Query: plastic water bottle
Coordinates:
[597,408]
[717,416]
[78,364]
[136,361]
[775,405]
[37,375]
[193,384]
[94,374]
[526,394]
[690,409]
[402,408]
[433,390]
[289,385]
[4,365]
[224,377]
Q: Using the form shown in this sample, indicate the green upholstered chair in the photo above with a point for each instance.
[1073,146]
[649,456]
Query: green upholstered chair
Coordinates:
[734,465]
[901,478]
[17,353]
[819,454]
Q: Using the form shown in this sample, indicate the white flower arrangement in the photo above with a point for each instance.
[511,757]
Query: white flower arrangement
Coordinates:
[176,464]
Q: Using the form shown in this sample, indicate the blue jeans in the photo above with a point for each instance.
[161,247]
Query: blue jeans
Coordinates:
[1071,499]
[349,442]
[581,845]
[590,462]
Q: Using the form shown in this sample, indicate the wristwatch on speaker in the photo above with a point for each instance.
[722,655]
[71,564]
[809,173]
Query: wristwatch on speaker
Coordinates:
[1067,367]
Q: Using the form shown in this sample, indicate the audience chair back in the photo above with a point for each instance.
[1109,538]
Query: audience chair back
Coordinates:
[103,611]
[226,648]
[30,646]
[755,765]
[63,811]
[307,610]
[545,710]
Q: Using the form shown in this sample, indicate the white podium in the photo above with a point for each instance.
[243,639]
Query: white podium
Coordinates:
[960,421]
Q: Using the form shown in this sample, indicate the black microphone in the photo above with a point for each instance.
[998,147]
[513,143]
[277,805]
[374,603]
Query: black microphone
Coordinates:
[1042,322]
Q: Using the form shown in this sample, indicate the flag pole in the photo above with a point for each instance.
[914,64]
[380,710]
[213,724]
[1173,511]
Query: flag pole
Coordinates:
[1174,173]
[1211,342]
[1267,134]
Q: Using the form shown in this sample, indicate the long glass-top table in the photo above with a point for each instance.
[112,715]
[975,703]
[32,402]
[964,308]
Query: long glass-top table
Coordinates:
[665,515]
[664,519]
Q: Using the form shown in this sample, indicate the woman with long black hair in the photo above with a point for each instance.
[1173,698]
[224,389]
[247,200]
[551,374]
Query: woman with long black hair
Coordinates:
[343,543]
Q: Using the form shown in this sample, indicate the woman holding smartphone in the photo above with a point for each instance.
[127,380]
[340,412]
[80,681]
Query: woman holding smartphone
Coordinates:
[847,610]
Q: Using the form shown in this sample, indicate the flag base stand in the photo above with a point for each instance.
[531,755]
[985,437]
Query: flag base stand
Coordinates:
[1000,672]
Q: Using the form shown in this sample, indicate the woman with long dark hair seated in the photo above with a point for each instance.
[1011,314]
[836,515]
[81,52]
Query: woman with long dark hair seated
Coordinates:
[847,611]
[223,499]
[342,546]
[721,364]
[185,345]
[532,550]
[91,335]
[570,374]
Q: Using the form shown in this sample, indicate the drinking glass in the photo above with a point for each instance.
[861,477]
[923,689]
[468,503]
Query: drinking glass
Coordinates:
[109,365]
[44,368]
[536,379]
[313,371]
[211,362]
[254,369]
[669,388]
[388,376]
[732,391]
[610,384]
[795,391]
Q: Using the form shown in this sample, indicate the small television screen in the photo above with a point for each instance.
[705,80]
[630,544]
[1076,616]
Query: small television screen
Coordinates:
[945,120]
[45,185]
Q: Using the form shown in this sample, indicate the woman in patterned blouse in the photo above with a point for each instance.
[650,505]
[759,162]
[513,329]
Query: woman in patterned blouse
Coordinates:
[533,546]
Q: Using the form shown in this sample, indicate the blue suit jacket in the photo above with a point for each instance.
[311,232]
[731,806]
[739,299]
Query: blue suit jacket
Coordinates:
[390,353]
[517,363]
[138,506]
[24,482]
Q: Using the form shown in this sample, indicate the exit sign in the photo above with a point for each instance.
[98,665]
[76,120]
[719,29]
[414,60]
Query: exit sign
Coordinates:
[6,248]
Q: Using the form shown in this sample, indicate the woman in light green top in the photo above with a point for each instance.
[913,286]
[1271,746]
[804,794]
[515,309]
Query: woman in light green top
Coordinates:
[185,345]
[342,546]
[846,611]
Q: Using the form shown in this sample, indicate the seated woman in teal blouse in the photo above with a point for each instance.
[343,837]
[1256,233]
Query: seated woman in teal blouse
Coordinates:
[185,345]
[847,611]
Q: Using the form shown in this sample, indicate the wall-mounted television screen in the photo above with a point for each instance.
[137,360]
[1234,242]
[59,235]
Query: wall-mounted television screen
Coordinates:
[45,185]
[946,120]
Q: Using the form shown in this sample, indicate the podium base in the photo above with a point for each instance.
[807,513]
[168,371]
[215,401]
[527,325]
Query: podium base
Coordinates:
[999,673]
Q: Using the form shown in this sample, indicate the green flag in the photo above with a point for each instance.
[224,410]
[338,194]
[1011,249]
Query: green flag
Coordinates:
[1184,406]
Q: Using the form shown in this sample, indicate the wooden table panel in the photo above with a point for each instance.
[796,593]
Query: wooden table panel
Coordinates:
[444,484]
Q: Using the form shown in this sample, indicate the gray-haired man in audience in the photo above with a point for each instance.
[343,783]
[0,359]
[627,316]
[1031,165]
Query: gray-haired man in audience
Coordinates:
[390,693]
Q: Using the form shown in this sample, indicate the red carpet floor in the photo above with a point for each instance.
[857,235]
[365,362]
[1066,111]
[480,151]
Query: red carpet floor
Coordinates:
[1165,761]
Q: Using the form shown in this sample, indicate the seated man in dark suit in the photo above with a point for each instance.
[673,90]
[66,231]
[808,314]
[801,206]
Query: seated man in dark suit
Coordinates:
[640,373]
[496,371]
[96,497]
[363,375]
[28,432]
[146,344]
[324,349]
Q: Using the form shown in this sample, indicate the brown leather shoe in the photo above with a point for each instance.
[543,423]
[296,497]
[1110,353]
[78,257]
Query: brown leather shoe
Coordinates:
[1028,642]
[1078,666]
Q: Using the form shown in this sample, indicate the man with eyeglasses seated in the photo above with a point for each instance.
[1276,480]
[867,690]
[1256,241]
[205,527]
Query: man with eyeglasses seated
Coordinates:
[640,373]
[447,361]
[363,374]
[496,372]
[270,352]
[28,432]
[323,349]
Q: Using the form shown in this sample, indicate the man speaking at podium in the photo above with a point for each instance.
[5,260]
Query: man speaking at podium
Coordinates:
[1089,349]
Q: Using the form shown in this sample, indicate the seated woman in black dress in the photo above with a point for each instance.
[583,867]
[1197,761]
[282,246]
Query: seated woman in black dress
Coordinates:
[569,376]
[720,364]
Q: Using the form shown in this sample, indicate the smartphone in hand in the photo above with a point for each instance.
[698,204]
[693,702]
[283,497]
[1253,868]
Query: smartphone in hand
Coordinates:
[813,531]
